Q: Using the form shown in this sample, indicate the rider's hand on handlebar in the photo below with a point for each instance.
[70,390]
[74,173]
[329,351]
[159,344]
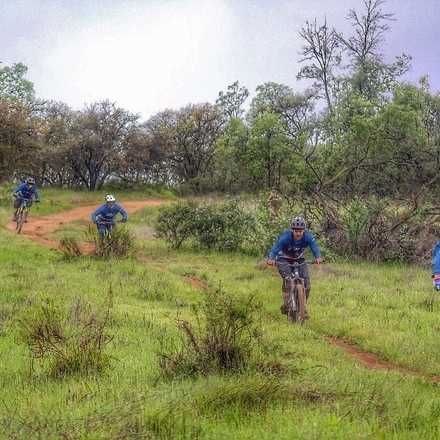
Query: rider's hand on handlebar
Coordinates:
[318,260]
[270,262]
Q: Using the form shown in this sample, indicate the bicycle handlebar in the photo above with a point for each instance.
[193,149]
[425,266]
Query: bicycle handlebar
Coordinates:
[108,222]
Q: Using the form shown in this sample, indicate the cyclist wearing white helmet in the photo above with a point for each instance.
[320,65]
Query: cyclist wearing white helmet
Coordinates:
[290,248]
[104,216]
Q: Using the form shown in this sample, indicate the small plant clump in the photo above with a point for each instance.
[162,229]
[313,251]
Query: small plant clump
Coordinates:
[67,342]
[70,247]
[120,243]
[225,337]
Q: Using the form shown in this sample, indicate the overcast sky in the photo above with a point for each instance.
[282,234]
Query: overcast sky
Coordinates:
[148,55]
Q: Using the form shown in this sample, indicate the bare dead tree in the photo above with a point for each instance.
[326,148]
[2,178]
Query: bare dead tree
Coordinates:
[321,52]
[369,30]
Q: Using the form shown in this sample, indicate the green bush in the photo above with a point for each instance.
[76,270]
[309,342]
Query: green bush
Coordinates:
[223,226]
[70,247]
[175,223]
[225,338]
[120,243]
[67,342]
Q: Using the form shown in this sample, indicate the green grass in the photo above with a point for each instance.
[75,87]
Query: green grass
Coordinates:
[321,392]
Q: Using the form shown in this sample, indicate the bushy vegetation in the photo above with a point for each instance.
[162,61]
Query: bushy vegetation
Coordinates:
[119,243]
[70,247]
[67,342]
[224,340]
[222,226]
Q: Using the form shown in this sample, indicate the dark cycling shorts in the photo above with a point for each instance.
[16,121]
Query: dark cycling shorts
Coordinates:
[18,200]
[286,270]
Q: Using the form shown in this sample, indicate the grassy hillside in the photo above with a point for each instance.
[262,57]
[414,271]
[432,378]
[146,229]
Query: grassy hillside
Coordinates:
[307,388]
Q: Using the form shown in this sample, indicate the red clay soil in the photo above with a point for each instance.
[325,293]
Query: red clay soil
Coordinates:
[372,361]
[196,282]
[39,228]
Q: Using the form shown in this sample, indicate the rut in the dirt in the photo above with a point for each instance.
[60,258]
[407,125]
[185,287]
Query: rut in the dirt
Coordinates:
[372,361]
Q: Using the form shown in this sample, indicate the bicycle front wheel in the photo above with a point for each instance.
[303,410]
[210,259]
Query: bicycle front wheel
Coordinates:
[21,217]
[301,303]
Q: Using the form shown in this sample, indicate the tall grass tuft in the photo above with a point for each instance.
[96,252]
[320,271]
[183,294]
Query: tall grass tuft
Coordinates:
[70,248]
[120,243]
[225,337]
[67,342]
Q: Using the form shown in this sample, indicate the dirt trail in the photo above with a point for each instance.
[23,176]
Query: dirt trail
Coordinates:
[39,228]
[372,361]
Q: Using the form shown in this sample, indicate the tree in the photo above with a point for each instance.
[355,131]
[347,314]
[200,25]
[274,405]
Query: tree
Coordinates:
[188,139]
[14,85]
[321,52]
[231,101]
[268,154]
[293,109]
[100,135]
[19,140]
[372,77]
[57,137]
[230,166]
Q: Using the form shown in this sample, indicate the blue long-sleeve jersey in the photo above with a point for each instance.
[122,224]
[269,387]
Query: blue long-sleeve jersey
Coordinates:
[26,191]
[289,248]
[436,258]
[108,213]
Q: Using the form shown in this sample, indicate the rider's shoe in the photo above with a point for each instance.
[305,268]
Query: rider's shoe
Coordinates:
[283,309]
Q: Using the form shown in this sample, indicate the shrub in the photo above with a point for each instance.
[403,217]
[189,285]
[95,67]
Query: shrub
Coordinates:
[268,226]
[376,230]
[67,342]
[70,248]
[120,243]
[175,223]
[222,226]
[224,338]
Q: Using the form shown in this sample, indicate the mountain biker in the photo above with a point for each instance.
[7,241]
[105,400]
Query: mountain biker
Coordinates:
[104,216]
[27,191]
[290,248]
[436,266]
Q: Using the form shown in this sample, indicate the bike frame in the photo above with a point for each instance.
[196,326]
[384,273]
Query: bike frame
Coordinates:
[293,291]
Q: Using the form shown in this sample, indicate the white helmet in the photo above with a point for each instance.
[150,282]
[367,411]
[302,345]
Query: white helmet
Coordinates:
[110,198]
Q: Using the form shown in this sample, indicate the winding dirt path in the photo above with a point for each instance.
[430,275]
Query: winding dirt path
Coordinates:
[39,228]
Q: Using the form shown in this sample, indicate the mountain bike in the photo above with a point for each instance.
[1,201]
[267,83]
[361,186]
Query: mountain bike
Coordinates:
[109,226]
[22,214]
[296,294]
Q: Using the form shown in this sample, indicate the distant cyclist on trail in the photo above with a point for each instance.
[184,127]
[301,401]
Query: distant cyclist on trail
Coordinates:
[436,266]
[104,216]
[27,191]
[290,248]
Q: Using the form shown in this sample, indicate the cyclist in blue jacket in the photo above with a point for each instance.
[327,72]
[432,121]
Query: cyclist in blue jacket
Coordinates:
[290,247]
[104,216]
[27,191]
[436,266]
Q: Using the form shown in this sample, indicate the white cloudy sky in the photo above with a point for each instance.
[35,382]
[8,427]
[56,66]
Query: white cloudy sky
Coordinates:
[151,54]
